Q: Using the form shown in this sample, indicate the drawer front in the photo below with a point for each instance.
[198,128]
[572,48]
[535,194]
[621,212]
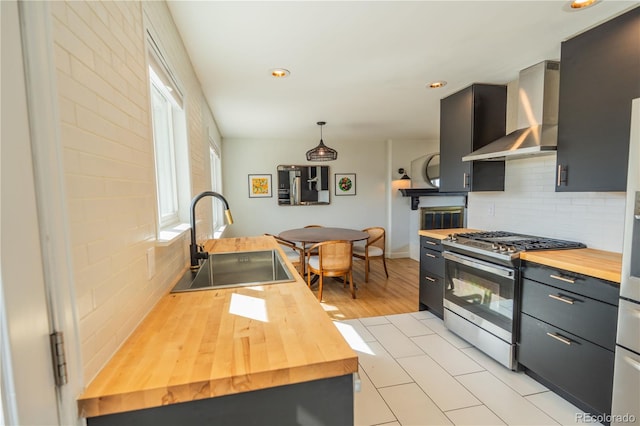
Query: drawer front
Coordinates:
[432,261]
[585,285]
[588,318]
[432,292]
[626,386]
[580,368]
[629,325]
[430,243]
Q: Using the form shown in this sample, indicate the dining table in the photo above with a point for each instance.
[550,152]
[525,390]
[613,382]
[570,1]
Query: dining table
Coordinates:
[316,234]
[322,233]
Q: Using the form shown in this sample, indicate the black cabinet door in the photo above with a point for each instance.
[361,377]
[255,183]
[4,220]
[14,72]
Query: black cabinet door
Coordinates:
[470,119]
[456,115]
[599,78]
[578,367]
[431,292]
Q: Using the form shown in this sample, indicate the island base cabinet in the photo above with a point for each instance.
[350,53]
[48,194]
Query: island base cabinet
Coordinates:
[320,402]
[579,370]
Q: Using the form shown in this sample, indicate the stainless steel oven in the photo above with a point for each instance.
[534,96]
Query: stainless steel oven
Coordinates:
[482,287]
[482,294]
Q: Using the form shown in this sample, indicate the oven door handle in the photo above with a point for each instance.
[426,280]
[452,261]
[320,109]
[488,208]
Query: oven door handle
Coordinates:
[478,264]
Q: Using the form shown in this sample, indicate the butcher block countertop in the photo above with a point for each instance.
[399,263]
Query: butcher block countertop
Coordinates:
[444,233]
[209,343]
[601,264]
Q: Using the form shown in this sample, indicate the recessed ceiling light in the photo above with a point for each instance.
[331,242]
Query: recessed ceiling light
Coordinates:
[582,4]
[437,84]
[279,73]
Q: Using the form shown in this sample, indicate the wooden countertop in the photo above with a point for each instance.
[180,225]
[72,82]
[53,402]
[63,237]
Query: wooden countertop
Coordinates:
[209,343]
[444,233]
[601,264]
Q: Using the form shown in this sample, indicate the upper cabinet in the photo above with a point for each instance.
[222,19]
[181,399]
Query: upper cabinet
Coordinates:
[470,119]
[600,76]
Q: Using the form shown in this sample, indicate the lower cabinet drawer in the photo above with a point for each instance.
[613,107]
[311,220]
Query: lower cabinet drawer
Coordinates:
[580,368]
[432,260]
[432,292]
[588,318]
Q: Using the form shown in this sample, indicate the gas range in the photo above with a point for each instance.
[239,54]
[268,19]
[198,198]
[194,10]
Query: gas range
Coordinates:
[502,247]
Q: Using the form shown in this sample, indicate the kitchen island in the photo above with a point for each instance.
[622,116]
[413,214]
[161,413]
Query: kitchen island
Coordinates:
[244,355]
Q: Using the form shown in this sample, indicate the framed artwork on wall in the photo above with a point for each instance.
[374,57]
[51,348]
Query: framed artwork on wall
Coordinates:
[345,184]
[259,186]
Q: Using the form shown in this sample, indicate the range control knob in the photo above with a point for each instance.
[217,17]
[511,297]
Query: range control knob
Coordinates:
[494,247]
[502,248]
[511,249]
[453,237]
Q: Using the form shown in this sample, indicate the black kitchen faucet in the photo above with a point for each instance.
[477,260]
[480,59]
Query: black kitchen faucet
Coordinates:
[194,250]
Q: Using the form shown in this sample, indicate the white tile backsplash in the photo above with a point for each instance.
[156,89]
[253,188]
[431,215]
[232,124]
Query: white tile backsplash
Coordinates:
[530,205]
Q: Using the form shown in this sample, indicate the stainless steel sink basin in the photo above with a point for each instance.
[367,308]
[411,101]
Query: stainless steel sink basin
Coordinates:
[236,269]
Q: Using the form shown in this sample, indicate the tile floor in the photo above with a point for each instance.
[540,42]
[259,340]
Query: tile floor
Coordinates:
[414,371]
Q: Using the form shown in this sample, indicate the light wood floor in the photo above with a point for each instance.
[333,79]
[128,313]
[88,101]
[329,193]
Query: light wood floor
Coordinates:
[380,296]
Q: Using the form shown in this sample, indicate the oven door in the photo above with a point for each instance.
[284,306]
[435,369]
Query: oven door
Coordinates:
[481,292]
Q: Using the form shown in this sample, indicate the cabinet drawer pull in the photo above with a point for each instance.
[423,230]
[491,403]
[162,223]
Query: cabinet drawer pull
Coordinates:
[431,243]
[465,180]
[635,364]
[430,255]
[560,338]
[433,280]
[562,299]
[567,280]
[559,175]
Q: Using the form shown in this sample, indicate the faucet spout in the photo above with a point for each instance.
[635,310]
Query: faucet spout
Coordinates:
[194,250]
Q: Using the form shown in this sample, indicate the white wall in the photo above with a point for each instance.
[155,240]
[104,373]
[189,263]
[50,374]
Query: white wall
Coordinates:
[377,201]
[404,233]
[529,204]
[255,216]
[101,74]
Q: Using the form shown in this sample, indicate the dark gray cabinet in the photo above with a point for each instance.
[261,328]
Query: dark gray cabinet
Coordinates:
[567,334]
[599,78]
[431,291]
[318,402]
[470,119]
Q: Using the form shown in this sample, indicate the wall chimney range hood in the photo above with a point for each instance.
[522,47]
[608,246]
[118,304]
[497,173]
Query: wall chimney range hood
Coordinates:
[538,95]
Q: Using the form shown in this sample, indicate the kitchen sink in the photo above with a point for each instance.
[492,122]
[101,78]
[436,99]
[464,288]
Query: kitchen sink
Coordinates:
[236,269]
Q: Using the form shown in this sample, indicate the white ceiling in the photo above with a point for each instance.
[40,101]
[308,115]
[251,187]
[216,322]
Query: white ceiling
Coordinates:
[362,66]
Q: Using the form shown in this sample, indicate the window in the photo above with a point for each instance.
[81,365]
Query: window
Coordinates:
[170,146]
[163,139]
[216,180]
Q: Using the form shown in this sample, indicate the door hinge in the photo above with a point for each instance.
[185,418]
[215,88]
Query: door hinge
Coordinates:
[56,339]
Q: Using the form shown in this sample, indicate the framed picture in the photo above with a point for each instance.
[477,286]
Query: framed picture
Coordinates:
[259,186]
[345,184]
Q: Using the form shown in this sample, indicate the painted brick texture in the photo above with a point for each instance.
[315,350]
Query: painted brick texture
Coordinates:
[103,98]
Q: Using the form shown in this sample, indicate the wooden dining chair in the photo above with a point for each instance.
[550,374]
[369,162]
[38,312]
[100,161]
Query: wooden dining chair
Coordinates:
[373,249]
[334,259]
[294,253]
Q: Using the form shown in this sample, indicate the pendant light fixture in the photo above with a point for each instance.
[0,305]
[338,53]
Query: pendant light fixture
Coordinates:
[322,152]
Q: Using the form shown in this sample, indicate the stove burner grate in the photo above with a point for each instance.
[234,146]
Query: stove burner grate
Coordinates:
[521,242]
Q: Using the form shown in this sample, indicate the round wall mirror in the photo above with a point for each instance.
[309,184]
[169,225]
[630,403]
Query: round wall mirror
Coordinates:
[432,170]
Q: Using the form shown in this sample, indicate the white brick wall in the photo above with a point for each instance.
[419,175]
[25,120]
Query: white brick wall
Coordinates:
[530,204]
[99,52]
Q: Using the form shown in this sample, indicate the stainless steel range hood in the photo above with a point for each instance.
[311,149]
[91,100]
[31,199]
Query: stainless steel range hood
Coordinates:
[537,133]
